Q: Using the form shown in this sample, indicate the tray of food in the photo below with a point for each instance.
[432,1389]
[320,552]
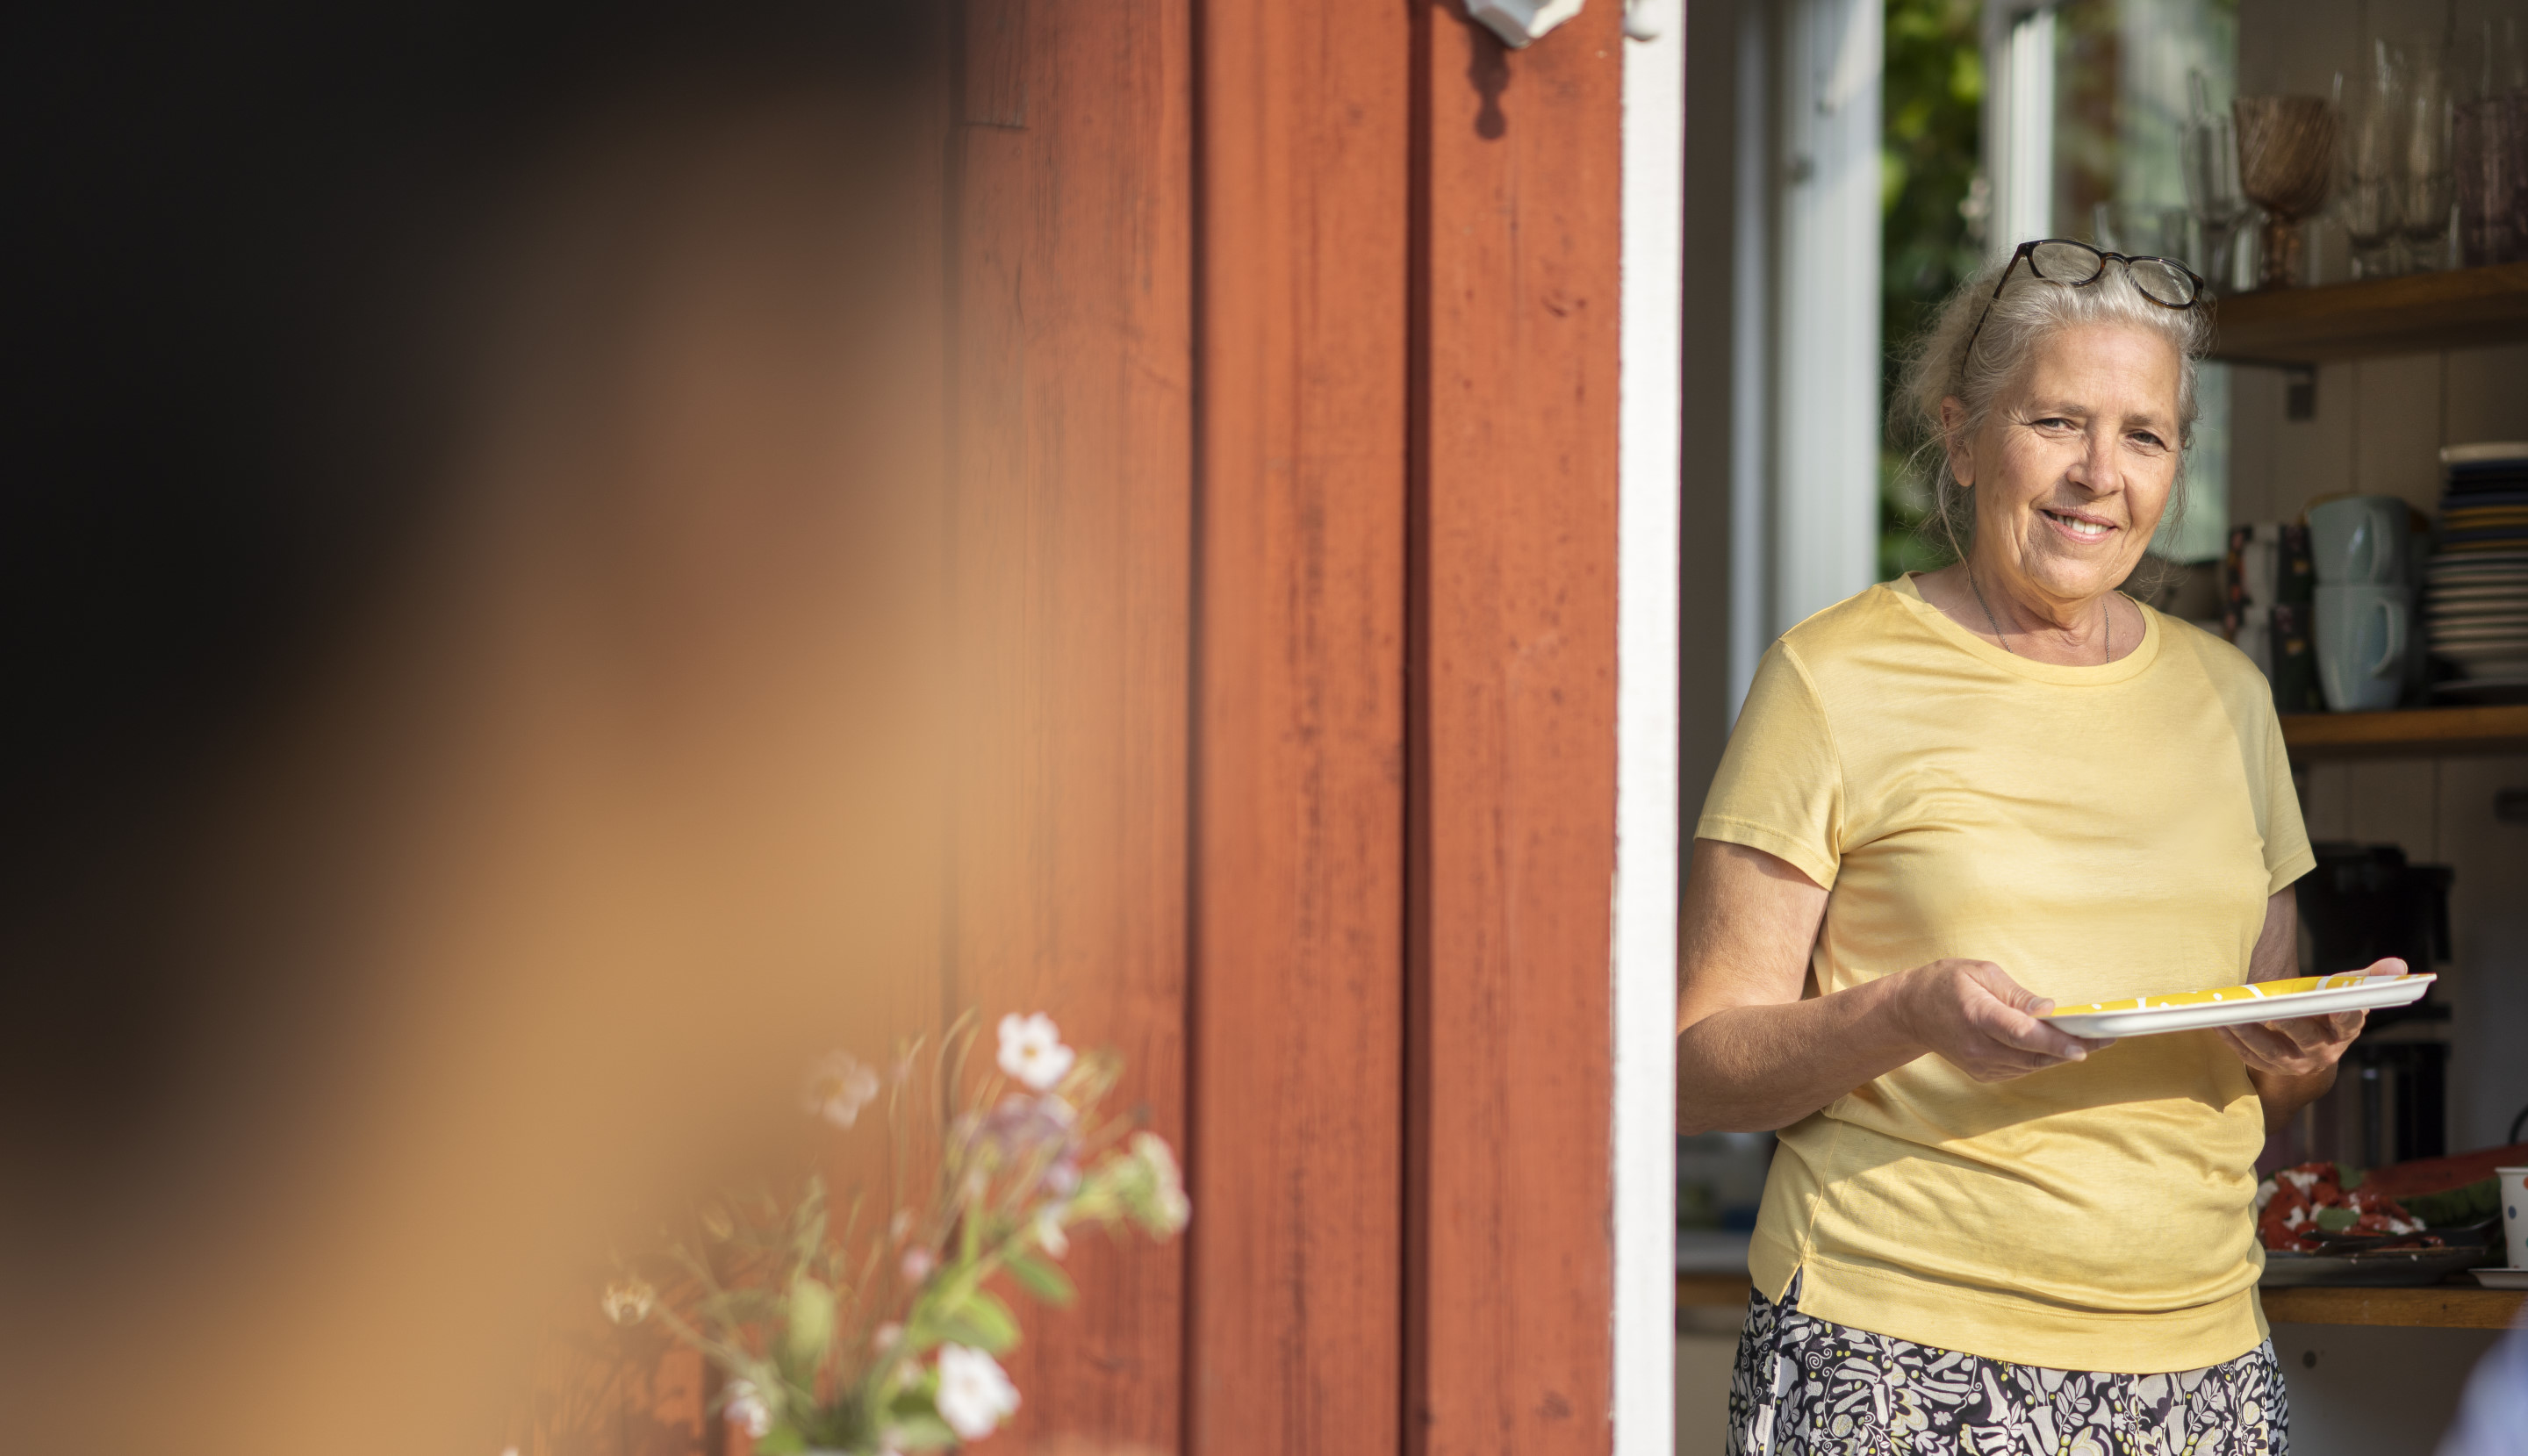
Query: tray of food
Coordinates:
[2231,1005]
[2410,1225]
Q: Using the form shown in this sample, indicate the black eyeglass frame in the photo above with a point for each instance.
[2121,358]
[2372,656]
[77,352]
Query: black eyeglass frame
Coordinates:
[2197,284]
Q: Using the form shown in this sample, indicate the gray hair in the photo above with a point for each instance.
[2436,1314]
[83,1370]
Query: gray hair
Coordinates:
[2026,313]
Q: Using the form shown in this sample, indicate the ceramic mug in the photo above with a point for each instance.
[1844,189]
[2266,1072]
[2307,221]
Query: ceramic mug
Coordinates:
[2362,633]
[2514,1214]
[2360,541]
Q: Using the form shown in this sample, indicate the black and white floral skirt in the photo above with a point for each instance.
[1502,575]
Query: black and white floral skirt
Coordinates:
[1805,1387]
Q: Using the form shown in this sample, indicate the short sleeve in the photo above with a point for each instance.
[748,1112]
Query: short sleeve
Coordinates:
[2288,855]
[1780,783]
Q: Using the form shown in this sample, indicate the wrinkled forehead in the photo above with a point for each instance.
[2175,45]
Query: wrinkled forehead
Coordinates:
[2130,373]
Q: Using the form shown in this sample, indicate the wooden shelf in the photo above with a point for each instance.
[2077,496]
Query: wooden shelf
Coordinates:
[2423,312]
[2407,733]
[2441,1307]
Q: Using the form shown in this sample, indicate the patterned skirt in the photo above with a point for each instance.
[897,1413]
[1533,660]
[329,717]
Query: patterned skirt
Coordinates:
[1805,1387]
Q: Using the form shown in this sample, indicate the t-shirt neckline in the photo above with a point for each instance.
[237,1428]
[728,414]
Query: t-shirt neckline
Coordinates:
[2122,669]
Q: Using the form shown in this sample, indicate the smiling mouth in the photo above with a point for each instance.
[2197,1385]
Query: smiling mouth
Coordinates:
[2079,528]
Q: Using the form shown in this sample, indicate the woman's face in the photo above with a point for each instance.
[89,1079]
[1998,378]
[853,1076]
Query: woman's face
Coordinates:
[2073,468]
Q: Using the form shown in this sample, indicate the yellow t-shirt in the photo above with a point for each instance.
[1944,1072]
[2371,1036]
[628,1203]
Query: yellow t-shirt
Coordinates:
[2097,832]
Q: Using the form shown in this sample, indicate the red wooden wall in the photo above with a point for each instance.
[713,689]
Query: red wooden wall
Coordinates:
[1513,742]
[1071,258]
[1282,557]
[1292,329]
[1298,999]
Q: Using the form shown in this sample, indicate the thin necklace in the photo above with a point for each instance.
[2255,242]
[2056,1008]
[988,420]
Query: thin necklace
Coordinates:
[2107,622]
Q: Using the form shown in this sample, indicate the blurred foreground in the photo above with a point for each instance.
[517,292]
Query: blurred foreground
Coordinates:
[477,709]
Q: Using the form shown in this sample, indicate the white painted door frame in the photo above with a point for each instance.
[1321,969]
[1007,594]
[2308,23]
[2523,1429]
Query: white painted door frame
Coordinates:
[1650,479]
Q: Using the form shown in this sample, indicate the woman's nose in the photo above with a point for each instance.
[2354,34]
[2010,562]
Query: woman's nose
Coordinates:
[2098,470]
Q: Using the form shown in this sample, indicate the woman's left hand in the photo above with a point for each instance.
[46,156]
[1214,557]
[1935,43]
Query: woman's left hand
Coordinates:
[2303,1045]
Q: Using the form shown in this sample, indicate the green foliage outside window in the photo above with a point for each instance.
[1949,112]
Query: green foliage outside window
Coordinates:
[1931,204]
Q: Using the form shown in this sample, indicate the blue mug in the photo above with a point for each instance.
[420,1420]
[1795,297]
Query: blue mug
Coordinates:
[2363,635]
[2360,541]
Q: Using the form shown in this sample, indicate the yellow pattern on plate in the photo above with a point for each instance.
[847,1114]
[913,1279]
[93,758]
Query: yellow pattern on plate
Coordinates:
[2257,992]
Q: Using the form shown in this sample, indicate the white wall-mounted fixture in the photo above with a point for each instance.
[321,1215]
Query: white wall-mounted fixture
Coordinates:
[1520,21]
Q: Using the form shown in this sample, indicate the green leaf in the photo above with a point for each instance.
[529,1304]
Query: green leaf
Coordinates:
[2457,1208]
[1042,1278]
[809,1325]
[920,1431]
[981,1321]
[2335,1221]
[782,1441]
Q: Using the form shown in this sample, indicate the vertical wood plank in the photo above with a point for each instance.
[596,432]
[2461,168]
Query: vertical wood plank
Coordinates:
[1299,1004]
[2395,405]
[1514,737]
[992,74]
[2485,400]
[1071,541]
[2314,458]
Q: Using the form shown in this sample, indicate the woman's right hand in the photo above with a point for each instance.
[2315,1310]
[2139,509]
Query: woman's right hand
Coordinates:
[1982,1022]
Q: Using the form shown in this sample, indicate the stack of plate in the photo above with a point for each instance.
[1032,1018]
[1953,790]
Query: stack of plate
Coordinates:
[2484,497]
[2475,593]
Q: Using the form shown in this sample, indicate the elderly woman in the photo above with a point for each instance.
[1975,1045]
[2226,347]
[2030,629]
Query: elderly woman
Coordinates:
[1949,803]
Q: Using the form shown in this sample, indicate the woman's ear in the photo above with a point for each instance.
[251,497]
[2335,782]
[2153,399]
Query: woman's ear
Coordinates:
[1953,442]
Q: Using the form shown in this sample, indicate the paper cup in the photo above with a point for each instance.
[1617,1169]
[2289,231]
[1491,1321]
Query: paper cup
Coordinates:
[2514,1214]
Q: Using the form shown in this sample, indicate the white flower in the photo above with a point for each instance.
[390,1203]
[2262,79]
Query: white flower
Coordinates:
[628,1299]
[745,1408]
[975,1393]
[1048,1231]
[838,1086]
[1167,1185]
[917,1264]
[1032,1051]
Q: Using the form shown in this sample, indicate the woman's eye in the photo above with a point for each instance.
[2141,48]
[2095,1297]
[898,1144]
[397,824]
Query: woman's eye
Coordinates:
[2148,440]
[2053,422]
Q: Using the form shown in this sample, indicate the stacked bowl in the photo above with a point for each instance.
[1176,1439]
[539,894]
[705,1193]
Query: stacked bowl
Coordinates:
[2475,593]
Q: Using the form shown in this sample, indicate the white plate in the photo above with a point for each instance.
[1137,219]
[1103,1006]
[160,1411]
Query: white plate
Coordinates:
[2348,992]
[2480,683]
[2501,1279]
[2510,603]
[2477,564]
[2467,590]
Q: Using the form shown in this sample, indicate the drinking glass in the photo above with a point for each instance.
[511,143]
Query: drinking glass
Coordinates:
[2210,148]
[2489,147]
[2486,156]
[2140,229]
[2368,199]
[2430,183]
[2286,167]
